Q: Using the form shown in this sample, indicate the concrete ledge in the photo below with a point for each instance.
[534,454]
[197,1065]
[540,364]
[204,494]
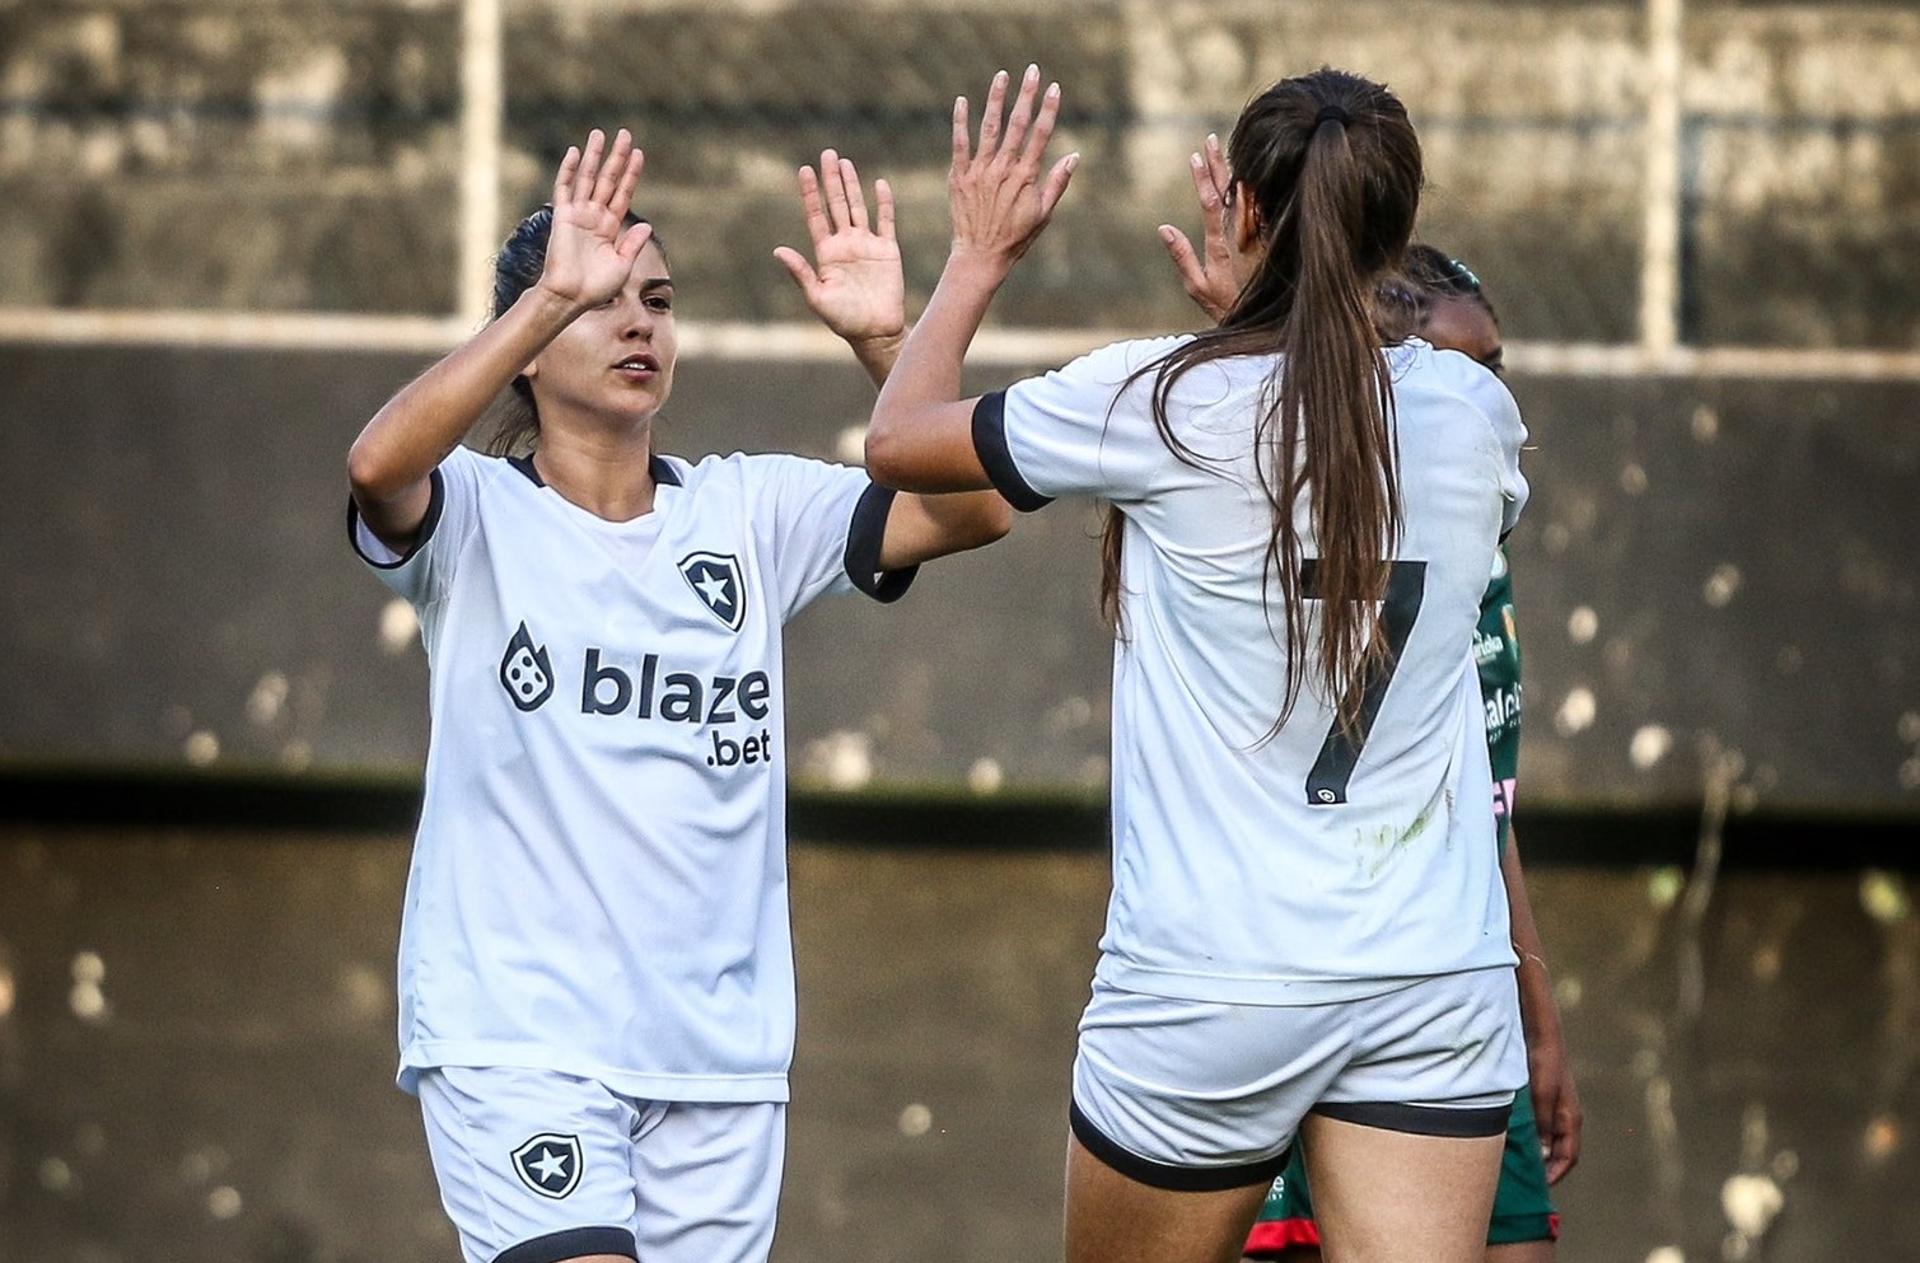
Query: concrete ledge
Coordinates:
[257,802]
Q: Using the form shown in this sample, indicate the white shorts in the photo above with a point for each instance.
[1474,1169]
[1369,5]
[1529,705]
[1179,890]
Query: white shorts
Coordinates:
[1191,1094]
[536,1167]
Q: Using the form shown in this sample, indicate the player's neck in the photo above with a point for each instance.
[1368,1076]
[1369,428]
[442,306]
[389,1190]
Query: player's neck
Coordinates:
[607,474]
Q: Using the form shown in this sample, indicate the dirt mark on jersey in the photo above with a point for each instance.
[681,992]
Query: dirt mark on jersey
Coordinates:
[1375,849]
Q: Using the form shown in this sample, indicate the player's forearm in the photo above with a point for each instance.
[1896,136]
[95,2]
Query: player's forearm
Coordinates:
[927,371]
[1539,1013]
[878,355]
[955,523]
[416,429]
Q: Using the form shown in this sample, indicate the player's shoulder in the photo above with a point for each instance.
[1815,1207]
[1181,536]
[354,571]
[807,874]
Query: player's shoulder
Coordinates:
[1132,354]
[1125,377]
[750,473]
[1421,370]
[679,471]
[738,464]
[707,479]
[1499,591]
[482,470]
[469,460]
[1114,365]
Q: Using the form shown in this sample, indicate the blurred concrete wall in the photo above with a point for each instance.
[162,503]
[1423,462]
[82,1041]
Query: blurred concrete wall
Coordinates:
[1717,560]
[196,1056]
[304,155]
[1704,559]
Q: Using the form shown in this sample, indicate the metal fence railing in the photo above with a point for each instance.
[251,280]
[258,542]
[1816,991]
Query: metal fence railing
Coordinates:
[1567,143]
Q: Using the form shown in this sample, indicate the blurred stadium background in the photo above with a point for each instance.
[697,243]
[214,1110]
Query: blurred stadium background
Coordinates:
[231,229]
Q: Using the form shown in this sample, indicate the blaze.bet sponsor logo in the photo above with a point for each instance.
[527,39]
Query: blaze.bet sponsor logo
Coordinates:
[645,688]
[526,672]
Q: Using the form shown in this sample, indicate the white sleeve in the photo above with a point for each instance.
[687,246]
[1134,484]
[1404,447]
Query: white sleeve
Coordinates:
[1489,396]
[820,527]
[1080,430]
[423,572]
[1483,390]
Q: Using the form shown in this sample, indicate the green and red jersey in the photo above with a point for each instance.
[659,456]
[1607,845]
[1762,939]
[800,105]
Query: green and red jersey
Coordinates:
[1496,651]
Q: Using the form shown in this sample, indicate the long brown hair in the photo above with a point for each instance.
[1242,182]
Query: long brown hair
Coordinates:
[1333,170]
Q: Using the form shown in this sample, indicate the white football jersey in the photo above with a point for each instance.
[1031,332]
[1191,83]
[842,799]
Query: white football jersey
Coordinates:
[599,881]
[1296,867]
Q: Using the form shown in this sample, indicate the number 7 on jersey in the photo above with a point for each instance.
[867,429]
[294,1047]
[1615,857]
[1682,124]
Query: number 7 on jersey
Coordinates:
[1406,587]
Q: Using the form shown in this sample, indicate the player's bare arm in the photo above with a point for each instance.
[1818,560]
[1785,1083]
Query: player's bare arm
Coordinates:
[855,284]
[921,438]
[589,258]
[1556,1101]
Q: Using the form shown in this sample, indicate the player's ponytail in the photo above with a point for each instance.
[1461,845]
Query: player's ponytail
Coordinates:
[516,269]
[1333,169]
[1336,377]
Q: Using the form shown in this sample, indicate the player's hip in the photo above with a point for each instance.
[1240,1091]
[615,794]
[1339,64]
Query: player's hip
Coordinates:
[715,1078]
[1176,1090]
[1522,1205]
[536,1167]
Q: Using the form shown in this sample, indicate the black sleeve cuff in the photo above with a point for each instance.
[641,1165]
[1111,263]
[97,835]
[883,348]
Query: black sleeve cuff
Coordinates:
[436,503]
[864,538]
[572,1243]
[990,445]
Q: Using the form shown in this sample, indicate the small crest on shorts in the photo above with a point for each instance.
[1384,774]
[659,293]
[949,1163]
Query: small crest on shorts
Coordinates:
[549,1164]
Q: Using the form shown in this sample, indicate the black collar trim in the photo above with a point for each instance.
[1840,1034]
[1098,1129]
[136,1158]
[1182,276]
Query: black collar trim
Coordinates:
[662,470]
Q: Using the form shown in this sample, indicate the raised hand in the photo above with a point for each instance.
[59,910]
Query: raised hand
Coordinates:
[855,283]
[1000,201]
[591,250]
[1208,276]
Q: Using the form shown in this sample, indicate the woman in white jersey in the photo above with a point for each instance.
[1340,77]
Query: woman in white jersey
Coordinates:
[1440,298]
[1307,927]
[596,984]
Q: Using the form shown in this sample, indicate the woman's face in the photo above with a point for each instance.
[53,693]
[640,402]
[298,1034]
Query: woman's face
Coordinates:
[1465,325]
[616,361]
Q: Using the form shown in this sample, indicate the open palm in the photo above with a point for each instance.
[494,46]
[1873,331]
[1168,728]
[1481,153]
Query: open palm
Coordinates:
[999,197]
[855,284]
[590,251]
[1208,274]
